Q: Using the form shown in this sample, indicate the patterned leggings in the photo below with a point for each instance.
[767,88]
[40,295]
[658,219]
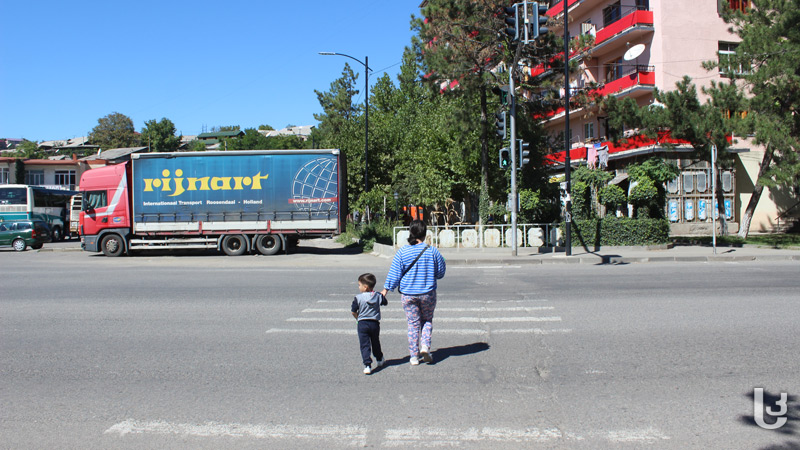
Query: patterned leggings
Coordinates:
[419,312]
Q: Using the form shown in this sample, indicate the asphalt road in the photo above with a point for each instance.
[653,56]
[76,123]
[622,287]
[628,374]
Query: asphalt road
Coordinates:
[211,351]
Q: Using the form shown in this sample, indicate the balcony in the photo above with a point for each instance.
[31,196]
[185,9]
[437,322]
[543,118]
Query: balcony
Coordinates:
[634,78]
[629,28]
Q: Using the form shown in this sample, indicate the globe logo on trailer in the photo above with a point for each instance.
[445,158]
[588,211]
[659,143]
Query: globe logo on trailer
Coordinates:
[315,186]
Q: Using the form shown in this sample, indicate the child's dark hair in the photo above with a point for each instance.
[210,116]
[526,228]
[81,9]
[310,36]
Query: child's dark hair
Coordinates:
[417,230]
[367,280]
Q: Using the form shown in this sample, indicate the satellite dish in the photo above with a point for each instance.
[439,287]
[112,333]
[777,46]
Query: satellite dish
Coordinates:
[633,52]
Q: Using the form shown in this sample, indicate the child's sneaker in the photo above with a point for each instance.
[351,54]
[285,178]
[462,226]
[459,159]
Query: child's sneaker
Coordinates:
[367,370]
[379,363]
[426,354]
[414,361]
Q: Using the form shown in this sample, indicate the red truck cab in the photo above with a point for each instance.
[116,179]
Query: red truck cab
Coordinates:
[106,210]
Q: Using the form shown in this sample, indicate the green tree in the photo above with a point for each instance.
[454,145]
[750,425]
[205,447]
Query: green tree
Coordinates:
[265,127]
[652,175]
[337,106]
[768,54]
[702,125]
[225,128]
[160,136]
[197,146]
[461,42]
[251,140]
[27,149]
[114,131]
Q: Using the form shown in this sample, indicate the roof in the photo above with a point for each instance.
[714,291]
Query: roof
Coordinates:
[77,142]
[115,154]
[220,134]
[302,131]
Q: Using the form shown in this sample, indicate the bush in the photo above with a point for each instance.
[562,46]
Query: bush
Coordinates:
[615,231]
[376,231]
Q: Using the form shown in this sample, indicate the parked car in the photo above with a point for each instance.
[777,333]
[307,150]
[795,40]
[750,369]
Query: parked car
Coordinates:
[24,233]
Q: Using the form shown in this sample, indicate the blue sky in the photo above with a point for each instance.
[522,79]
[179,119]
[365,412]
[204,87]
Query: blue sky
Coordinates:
[64,65]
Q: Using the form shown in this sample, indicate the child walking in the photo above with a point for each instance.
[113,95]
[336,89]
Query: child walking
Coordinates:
[366,309]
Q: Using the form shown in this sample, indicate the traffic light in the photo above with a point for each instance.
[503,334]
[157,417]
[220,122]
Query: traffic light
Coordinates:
[523,152]
[502,92]
[500,124]
[539,19]
[505,158]
[512,19]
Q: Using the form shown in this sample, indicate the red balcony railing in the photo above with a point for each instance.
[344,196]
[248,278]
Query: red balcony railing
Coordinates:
[637,17]
[642,76]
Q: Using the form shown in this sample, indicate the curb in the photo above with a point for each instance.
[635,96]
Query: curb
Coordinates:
[387,251]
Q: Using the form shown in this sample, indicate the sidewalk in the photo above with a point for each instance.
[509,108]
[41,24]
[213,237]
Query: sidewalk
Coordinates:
[608,255]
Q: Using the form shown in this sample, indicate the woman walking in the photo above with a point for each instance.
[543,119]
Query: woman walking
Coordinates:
[414,271]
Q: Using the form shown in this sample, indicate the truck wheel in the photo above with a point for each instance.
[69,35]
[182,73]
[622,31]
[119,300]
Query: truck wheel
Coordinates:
[234,245]
[268,244]
[19,245]
[112,245]
[57,235]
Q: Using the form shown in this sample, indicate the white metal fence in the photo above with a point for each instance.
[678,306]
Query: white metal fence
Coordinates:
[486,236]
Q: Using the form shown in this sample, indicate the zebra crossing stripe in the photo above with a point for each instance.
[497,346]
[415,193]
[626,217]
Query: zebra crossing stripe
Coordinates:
[393,332]
[474,309]
[437,320]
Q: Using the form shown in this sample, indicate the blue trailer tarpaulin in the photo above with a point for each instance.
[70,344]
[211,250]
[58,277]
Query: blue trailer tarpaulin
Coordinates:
[280,184]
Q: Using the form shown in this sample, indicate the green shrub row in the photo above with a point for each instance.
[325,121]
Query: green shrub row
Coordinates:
[619,231]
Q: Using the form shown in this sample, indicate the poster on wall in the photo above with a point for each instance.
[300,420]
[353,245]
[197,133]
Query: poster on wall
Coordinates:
[673,210]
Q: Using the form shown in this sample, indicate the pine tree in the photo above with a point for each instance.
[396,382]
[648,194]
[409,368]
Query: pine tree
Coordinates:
[769,55]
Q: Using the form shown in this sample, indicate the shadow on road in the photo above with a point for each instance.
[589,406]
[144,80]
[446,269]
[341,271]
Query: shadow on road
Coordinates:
[443,353]
[791,413]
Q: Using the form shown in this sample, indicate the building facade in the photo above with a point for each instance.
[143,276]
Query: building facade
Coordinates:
[641,45]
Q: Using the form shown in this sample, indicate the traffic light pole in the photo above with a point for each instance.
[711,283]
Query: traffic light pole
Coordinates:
[513,151]
[567,143]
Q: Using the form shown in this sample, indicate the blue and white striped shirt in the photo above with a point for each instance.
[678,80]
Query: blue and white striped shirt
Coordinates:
[422,277]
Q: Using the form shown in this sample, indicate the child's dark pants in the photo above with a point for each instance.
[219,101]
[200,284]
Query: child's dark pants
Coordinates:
[369,332]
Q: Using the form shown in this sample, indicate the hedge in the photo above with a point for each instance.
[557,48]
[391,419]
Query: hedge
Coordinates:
[619,231]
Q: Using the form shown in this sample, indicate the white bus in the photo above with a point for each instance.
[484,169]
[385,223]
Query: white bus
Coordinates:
[75,215]
[24,202]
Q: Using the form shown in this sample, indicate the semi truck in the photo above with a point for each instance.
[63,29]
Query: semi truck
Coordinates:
[237,202]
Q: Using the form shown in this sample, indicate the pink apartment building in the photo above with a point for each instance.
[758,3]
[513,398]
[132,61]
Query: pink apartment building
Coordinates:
[677,36]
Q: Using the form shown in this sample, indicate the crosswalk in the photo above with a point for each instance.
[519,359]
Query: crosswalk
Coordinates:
[453,316]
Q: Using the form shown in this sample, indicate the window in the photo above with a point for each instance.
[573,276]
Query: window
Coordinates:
[643,5]
[588,130]
[588,28]
[739,5]
[95,199]
[614,70]
[4,176]
[728,67]
[65,177]
[612,13]
[34,177]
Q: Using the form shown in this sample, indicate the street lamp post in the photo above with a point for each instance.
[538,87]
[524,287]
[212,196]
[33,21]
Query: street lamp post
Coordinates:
[366,112]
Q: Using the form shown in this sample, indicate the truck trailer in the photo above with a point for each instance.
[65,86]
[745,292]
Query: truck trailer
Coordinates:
[234,201]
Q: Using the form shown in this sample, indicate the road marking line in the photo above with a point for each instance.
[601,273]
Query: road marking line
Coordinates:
[645,435]
[442,437]
[475,309]
[451,300]
[356,435]
[391,332]
[439,320]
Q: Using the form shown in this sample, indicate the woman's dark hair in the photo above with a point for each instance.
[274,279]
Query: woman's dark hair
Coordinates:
[417,231]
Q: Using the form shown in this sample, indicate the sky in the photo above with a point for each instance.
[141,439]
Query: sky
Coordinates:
[200,64]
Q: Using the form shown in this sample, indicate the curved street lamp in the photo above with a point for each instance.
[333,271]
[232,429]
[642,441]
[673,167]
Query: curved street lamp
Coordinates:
[366,111]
